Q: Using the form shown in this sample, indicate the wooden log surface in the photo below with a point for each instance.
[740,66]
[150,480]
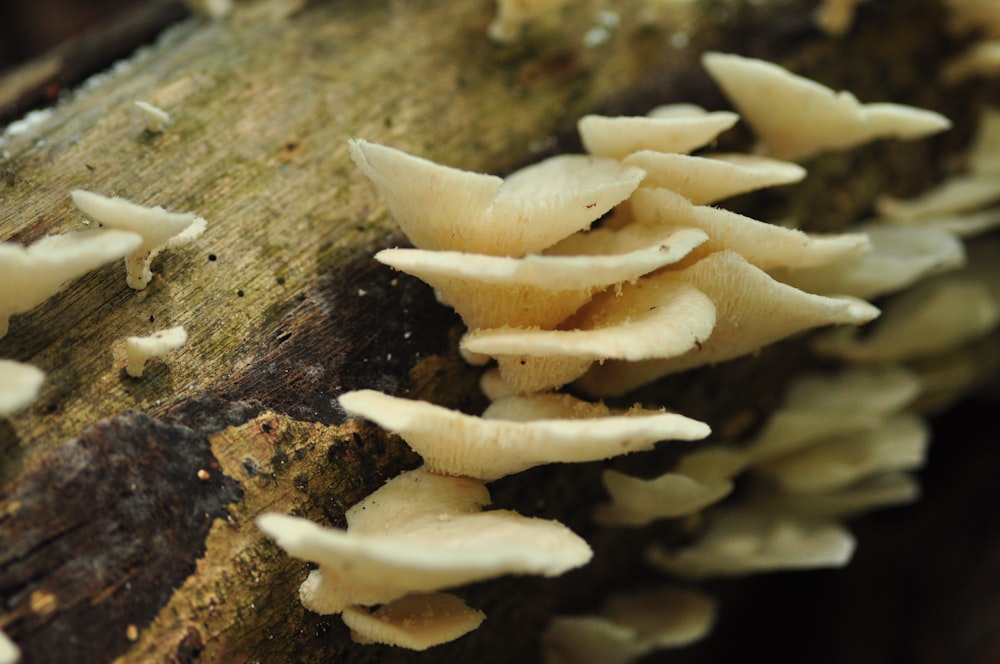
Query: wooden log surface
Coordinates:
[127,506]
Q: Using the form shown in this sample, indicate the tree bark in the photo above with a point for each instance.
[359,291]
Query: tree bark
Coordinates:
[127,505]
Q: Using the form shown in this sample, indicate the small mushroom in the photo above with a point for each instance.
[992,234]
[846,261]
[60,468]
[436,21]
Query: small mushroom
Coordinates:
[19,386]
[797,118]
[159,229]
[140,349]
[618,137]
[415,622]
[31,275]
[443,208]
[883,490]
[156,118]
[454,443]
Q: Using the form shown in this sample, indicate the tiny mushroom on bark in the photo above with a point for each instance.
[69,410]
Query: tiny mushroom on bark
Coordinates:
[19,386]
[30,275]
[140,349]
[159,229]
[156,118]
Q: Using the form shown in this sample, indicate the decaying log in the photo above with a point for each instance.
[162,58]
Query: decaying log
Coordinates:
[127,506]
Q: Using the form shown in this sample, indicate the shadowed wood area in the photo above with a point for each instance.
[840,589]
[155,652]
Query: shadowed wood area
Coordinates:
[127,505]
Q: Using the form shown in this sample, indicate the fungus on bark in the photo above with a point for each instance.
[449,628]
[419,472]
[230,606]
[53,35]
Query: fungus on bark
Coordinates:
[140,349]
[19,386]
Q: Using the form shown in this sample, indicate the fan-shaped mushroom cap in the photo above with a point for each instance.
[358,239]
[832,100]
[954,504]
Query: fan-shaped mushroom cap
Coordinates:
[762,244]
[797,118]
[31,275]
[658,316]
[700,479]
[820,407]
[19,385]
[630,626]
[899,257]
[420,533]
[416,622]
[140,349]
[457,444]
[156,118]
[443,208]
[930,318]
[617,137]
[159,229]
[534,291]
[752,311]
[710,178]
[742,541]
[884,490]
[900,443]
[957,194]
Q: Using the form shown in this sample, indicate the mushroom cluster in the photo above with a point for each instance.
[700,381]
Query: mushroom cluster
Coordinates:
[610,270]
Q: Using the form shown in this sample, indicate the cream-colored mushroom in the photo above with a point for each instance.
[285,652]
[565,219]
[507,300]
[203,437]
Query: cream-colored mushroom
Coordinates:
[700,479]
[899,443]
[982,59]
[959,193]
[443,208]
[156,118]
[19,386]
[617,137]
[140,349]
[415,622]
[752,311]
[454,443]
[883,490]
[765,245]
[158,228]
[31,275]
[420,533]
[534,291]
[709,178]
[9,652]
[899,257]
[630,626]
[797,118]
[744,540]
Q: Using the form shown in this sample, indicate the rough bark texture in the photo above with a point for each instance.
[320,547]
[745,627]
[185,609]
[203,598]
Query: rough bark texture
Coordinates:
[114,545]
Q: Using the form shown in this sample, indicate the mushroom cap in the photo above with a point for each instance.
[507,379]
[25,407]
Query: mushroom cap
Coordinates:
[155,225]
[617,137]
[30,275]
[453,443]
[140,349]
[742,541]
[415,622]
[19,386]
[709,178]
[957,194]
[762,244]
[439,544]
[752,311]
[883,490]
[797,118]
[534,291]
[443,208]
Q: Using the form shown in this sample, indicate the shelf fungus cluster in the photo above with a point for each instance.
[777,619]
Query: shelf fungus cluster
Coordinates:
[606,271]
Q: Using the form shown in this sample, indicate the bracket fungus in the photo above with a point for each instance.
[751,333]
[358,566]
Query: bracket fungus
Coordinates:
[158,229]
[31,275]
[19,386]
[416,622]
[140,349]
[618,137]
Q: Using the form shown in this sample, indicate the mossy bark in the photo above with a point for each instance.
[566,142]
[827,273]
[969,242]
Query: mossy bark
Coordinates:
[127,506]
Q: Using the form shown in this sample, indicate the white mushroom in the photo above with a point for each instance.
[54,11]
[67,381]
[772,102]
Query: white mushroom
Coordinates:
[156,118]
[420,533]
[9,652]
[882,490]
[29,276]
[415,622]
[140,349]
[159,229]
[797,118]
[617,137]
[19,386]
[445,208]
[959,193]
[453,443]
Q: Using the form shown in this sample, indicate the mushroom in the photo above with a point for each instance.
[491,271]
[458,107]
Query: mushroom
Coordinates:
[140,349]
[752,311]
[415,622]
[445,208]
[30,275]
[19,386]
[156,118]
[618,137]
[420,533]
[9,652]
[883,490]
[797,118]
[709,178]
[959,193]
[159,229]
[484,448]
[630,626]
